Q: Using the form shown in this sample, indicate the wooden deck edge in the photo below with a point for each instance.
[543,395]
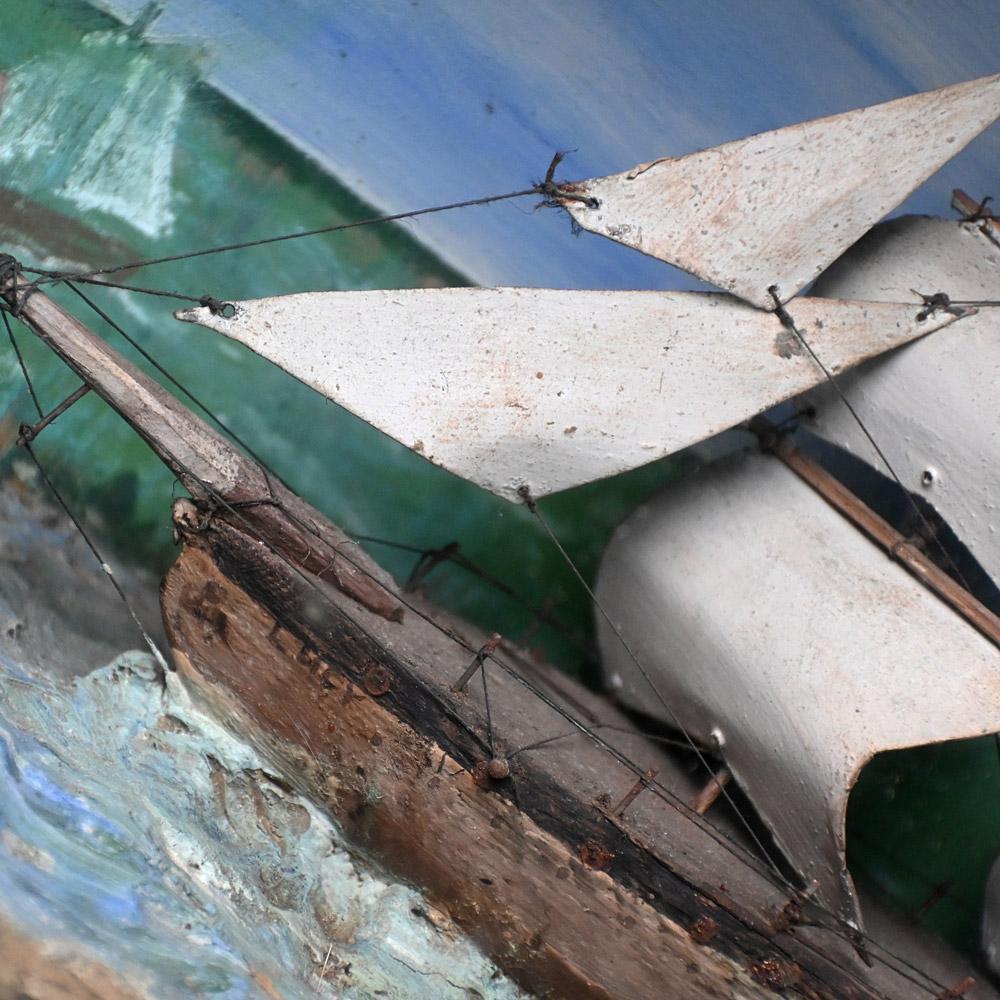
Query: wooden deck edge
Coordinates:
[556,926]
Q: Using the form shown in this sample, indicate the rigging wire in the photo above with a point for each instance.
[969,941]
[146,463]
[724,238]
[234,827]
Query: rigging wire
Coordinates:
[25,441]
[159,292]
[646,676]
[21,362]
[456,558]
[105,567]
[167,375]
[789,323]
[49,277]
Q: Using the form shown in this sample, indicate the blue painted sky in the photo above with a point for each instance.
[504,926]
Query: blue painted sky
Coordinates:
[420,102]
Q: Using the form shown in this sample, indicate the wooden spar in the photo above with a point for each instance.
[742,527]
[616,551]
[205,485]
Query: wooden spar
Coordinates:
[926,405]
[215,473]
[355,709]
[889,540]
[516,386]
[779,207]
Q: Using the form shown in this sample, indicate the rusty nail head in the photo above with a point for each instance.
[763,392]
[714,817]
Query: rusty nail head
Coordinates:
[703,929]
[486,772]
[377,681]
[782,919]
[957,991]
[595,856]
[498,768]
[776,973]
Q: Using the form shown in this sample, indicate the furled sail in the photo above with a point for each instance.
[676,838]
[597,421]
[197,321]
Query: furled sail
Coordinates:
[551,389]
[777,208]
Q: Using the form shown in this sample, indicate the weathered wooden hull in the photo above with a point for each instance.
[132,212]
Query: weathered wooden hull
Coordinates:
[566,896]
[522,891]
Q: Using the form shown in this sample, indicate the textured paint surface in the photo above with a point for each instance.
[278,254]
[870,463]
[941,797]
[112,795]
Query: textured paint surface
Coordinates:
[929,401]
[416,103]
[512,387]
[775,210]
[231,180]
[136,832]
[124,166]
[794,701]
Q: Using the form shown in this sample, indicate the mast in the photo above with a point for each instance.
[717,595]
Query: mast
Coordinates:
[222,481]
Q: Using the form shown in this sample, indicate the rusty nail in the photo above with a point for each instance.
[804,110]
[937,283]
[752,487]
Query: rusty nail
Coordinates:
[781,920]
[703,929]
[775,973]
[486,772]
[376,681]
[488,649]
[595,856]
[958,990]
[791,912]
[629,797]
[705,799]
[937,893]
[498,768]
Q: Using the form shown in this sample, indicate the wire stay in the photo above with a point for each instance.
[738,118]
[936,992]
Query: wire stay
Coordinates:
[782,313]
[105,566]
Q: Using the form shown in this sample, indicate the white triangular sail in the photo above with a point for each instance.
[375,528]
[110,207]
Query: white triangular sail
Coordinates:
[551,389]
[779,207]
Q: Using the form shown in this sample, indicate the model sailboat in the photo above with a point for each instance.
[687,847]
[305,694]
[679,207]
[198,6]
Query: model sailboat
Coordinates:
[293,633]
[527,392]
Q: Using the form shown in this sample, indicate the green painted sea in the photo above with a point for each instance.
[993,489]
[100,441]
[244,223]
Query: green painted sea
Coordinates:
[112,150]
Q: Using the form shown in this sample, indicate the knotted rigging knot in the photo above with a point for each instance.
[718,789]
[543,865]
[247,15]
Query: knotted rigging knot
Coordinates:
[555,194]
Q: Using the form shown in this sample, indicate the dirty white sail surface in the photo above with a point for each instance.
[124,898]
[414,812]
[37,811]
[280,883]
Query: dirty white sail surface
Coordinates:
[777,208]
[796,703]
[550,389]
